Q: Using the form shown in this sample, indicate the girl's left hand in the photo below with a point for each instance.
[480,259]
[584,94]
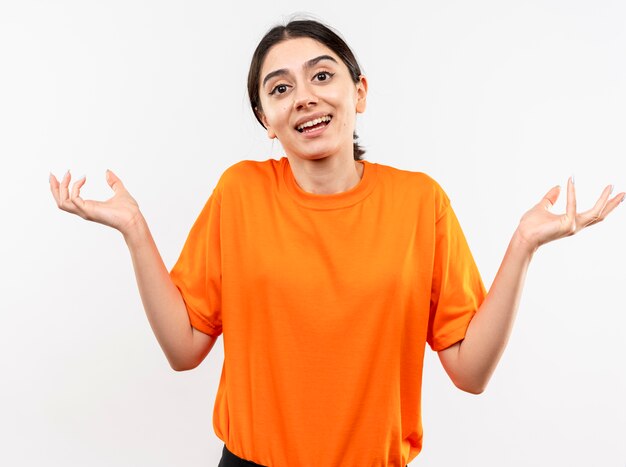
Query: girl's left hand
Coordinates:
[539,226]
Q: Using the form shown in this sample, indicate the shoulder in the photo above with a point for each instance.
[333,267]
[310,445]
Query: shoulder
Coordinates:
[249,170]
[248,174]
[414,184]
[408,178]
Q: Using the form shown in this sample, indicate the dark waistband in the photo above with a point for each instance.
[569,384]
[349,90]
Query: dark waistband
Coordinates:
[231,460]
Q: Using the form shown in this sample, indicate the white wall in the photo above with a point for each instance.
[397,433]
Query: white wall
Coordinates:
[496,100]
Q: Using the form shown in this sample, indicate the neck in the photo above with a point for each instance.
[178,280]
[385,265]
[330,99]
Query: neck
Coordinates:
[326,176]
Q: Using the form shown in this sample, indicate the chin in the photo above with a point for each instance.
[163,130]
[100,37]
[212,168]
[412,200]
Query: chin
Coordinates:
[314,153]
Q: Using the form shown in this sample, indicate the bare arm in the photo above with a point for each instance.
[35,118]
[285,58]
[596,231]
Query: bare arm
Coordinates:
[184,346]
[471,362]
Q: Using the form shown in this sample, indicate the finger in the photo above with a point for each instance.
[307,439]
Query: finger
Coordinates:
[551,196]
[113,180]
[64,201]
[594,214]
[571,200]
[77,186]
[63,191]
[75,194]
[610,205]
[54,187]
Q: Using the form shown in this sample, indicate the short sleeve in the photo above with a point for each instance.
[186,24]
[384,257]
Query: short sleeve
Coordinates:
[197,273]
[457,288]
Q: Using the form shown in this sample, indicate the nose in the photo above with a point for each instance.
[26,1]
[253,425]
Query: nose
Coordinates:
[304,97]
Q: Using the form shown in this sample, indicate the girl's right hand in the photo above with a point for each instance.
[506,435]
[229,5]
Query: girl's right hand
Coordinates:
[121,211]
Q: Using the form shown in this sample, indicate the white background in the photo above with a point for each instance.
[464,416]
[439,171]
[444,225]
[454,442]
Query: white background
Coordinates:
[497,100]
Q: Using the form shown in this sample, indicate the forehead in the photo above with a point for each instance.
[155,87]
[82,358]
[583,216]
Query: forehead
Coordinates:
[291,54]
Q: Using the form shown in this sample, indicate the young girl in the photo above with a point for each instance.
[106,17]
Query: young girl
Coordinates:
[326,275]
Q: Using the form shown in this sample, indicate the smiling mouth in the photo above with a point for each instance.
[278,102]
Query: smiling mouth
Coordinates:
[314,124]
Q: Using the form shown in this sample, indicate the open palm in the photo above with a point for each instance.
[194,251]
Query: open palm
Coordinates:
[120,211]
[539,226]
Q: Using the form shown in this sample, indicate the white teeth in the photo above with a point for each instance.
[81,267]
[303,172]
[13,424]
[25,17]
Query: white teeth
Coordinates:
[317,121]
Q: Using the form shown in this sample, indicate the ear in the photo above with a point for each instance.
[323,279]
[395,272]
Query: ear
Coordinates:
[361,94]
[270,132]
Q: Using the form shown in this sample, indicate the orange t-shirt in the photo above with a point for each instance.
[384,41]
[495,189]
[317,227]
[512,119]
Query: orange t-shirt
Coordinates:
[325,303]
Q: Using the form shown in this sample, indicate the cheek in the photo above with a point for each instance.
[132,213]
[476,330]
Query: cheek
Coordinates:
[279,113]
[281,121]
[344,99]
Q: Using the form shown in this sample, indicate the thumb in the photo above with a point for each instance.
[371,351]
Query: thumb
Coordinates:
[114,182]
[550,197]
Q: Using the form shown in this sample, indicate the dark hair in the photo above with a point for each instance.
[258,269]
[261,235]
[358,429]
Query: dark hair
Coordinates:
[300,28]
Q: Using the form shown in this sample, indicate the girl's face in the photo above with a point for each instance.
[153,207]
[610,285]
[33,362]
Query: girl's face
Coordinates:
[309,101]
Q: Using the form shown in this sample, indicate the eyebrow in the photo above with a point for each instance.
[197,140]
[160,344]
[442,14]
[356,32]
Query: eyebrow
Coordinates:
[309,64]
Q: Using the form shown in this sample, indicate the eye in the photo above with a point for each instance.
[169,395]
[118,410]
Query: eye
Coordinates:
[279,89]
[324,75]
